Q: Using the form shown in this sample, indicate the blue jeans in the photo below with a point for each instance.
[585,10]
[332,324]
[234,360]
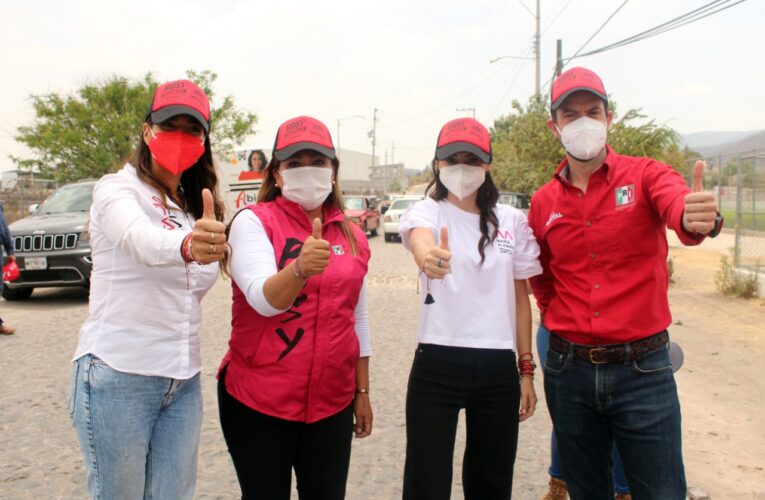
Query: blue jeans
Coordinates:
[138,435]
[633,404]
[556,468]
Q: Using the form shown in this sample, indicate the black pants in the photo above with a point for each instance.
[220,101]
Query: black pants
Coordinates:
[444,380]
[264,450]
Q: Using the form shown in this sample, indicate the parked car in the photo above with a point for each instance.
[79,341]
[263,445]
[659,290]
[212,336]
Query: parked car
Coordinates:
[397,208]
[361,210]
[52,245]
[517,200]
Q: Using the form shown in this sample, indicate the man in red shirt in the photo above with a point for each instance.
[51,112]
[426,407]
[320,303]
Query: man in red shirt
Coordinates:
[601,226]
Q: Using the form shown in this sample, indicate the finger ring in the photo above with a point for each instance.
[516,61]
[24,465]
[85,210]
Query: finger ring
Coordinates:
[440,262]
[212,237]
[212,248]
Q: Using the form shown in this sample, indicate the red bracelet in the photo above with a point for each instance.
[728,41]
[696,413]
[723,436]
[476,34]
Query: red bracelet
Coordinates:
[186,249]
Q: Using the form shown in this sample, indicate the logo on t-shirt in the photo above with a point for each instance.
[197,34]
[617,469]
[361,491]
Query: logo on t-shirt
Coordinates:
[505,242]
[553,217]
[625,195]
[338,249]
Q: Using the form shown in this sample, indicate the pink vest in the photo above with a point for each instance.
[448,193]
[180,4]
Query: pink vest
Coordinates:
[300,365]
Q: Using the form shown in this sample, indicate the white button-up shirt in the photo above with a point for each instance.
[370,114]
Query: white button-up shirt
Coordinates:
[145,302]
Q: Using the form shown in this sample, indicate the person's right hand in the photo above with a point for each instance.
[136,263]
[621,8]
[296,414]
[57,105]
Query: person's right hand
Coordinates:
[436,265]
[208,240]
[314,256]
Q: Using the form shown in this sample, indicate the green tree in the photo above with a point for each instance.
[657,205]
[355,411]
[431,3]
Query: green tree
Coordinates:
[93,131]
[526,153]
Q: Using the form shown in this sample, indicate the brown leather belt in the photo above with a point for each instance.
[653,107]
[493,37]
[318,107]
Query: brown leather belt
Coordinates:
[611,353]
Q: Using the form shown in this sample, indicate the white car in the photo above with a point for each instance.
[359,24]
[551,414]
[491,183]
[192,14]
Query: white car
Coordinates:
[390,219]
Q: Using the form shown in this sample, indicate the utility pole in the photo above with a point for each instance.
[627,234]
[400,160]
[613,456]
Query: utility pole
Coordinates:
[466,109]
[373,136]
[558,57]
[392,151]
[537,49]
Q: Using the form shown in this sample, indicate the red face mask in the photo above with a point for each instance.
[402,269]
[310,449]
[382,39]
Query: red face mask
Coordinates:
[176,151]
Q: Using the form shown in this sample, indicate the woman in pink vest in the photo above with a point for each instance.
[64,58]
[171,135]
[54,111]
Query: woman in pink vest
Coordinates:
[296,372]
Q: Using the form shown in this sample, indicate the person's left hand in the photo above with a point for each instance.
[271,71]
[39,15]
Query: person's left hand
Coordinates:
[11,258]
[700,206]
[362,412]
[528,399]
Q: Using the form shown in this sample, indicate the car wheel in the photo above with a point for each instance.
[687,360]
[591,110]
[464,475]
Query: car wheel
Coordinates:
[373,232]
[388,237]
[18,294]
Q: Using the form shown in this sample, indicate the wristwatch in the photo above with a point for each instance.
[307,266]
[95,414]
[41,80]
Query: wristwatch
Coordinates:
[719,221]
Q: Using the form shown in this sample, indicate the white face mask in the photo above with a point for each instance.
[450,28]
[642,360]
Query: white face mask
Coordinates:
[462,180]
[307,186]
[583,138]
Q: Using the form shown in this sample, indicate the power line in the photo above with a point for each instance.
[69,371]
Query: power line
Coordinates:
[697,14]
[556,16]
[680,21]
[450,101]
[600,29]
[512,82]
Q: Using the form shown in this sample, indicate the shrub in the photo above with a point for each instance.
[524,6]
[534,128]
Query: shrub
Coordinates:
[729,282]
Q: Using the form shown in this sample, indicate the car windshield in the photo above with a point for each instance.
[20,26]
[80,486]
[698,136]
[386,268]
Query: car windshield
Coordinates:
[402,204]
[355,203]
[75,198]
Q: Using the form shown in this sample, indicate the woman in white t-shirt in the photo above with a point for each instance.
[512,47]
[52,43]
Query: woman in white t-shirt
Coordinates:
[475,257]
[156,235]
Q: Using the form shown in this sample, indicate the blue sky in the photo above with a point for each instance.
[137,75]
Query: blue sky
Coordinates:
[416,61]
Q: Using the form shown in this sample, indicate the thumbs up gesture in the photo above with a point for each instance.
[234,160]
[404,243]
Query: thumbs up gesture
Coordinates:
[437,260]
[700,206]
[314,256]
[208,240]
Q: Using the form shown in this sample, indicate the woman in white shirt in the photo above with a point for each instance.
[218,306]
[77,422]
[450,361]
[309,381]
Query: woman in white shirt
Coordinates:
[475,257]
[156,237]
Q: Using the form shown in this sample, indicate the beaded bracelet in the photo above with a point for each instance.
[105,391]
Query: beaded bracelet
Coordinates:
[296,269]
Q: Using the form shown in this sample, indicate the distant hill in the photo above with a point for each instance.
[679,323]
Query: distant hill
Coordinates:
[713,143]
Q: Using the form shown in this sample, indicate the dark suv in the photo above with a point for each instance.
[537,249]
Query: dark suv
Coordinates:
[52,245]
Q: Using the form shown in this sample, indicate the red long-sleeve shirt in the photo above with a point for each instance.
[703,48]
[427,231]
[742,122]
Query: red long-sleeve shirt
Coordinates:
[604,251]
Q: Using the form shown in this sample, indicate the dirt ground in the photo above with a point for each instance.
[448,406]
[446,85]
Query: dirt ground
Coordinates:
[722,383]
[721,386]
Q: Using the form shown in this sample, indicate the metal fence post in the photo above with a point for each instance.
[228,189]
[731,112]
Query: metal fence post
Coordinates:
[737,247]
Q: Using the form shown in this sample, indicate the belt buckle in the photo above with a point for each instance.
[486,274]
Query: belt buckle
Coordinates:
[597,349]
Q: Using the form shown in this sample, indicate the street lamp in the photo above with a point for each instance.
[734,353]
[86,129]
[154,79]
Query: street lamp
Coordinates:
[511,57]
[338,127]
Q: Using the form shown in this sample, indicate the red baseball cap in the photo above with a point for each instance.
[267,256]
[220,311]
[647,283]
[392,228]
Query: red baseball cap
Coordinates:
[180,97]
[302,133]
[464,135]
[574,80]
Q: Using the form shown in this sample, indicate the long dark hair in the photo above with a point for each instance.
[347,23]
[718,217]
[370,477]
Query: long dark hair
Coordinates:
[486,199]
[201,175]
[269,191]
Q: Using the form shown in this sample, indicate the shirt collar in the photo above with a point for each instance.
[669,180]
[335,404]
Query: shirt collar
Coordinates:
[562,173]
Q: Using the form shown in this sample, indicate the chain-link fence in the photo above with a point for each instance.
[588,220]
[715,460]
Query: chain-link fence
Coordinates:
[738,181]
[25,192]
